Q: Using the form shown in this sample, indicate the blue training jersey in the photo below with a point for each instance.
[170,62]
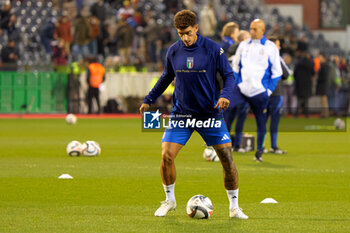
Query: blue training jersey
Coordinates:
[195,68]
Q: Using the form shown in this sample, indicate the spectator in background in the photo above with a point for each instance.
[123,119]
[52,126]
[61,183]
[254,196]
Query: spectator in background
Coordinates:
[102,39]
[47,34]
[303,45]
[151,33]
[288,86]
[172,5]
[126,11]
[95,77]
[322,87]
[166,39]
[81,36]
[335,83]
[64,31]
[98,10]
[109,39]
[11,29]
[95,31]
[125,37]
[343,99]
[207,21]
[221,23]
[79,5]
[59,53]
[303,72]
[5,14]
[9,56]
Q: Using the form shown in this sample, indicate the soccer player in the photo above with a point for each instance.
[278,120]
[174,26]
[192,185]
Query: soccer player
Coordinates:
[229,35]
[275,103]
[241,110]
[257,70]
[195,60]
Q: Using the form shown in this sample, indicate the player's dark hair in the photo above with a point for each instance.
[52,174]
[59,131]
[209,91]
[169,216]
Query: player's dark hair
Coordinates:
[184,19]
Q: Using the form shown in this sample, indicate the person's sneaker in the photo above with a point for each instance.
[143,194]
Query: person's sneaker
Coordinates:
[239,149]
[164,208]
[237,213]
[258,156]
[277,151]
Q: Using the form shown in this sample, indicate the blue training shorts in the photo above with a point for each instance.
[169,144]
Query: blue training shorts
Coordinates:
[211,135]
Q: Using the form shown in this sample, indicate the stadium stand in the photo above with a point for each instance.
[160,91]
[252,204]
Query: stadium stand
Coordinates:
[24,21]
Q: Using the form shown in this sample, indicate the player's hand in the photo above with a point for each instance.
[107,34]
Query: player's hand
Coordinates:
[223,103]
[144,107]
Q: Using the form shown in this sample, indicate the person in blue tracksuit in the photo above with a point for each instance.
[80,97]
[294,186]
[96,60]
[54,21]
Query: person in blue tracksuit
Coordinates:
[229,36]
[240,110]
[194,61]
[275,103]
[257,70]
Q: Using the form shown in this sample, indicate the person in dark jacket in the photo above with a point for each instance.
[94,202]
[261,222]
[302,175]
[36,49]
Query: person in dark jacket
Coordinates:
[322,86]
[125,35]
[47,34]
[98,10]
[9,56]
[303,72]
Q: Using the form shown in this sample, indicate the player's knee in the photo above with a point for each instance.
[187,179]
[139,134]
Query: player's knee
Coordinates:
[168,157]
[225,155]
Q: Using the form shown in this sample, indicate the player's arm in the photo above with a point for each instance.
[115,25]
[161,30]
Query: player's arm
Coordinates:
[224,68]
[276,69]
[285,70]
[163,82]
[236,64]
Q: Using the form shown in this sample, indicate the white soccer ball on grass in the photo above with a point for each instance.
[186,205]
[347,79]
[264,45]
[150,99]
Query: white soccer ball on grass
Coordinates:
[200,207]
[74,148]
[210,155]
[91,149]
[339,123]
[71,119]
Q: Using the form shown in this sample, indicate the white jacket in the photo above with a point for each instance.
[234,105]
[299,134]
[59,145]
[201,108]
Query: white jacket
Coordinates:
[257,67]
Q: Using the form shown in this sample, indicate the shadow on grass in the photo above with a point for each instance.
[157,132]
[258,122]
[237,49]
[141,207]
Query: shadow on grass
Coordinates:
[265,164]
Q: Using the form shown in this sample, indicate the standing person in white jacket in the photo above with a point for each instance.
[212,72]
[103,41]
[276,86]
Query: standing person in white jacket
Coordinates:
[257,70]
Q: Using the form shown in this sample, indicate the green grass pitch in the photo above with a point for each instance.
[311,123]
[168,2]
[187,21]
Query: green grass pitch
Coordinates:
[120,190]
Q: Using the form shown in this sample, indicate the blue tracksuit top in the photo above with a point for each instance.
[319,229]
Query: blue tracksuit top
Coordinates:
[195,68]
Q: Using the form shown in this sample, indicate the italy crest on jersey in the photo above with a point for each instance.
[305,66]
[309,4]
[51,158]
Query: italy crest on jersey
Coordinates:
[190,62]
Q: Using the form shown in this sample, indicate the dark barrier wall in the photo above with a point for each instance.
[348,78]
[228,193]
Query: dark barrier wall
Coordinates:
[33,92]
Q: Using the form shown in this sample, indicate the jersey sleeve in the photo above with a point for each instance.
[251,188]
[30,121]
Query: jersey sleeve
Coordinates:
[224,68]
[163,82]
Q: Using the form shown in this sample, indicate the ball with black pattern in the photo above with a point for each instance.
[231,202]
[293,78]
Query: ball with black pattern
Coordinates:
[199,207]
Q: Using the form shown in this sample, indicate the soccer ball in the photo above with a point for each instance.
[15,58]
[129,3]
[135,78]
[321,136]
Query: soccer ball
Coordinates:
[74,148]
[91,149]
[71,119]
[200,207]
[209,154]
[339,123]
